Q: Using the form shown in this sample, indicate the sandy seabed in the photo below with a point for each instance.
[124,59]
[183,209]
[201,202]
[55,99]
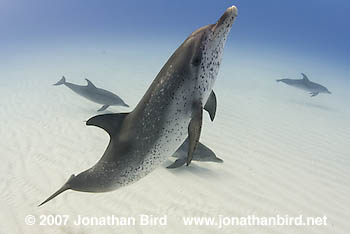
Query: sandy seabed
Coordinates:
[285,153]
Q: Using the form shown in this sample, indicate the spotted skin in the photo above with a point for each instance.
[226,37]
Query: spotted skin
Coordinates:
[165,110]
[158,125]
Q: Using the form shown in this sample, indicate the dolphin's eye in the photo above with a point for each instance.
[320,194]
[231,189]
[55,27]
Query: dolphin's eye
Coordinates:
[196,61]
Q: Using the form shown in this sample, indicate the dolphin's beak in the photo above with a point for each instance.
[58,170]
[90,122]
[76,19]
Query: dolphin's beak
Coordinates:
[234,10]
[229,16]
[230,12]
[329,92]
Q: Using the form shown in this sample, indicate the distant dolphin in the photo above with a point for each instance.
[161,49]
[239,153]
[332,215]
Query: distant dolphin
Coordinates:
[170,110]
[91,92]
[306,84]
[201,154]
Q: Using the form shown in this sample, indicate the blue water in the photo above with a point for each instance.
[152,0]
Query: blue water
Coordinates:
[267,133]
[316,28]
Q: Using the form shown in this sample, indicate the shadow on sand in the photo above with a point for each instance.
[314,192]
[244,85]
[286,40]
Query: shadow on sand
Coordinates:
[313,105]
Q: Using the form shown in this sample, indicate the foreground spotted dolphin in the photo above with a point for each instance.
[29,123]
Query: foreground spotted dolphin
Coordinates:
[91,92]
[306,84]
[201,154]
[169,112]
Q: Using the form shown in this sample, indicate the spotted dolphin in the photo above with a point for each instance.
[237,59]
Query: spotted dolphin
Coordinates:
[91,92]
[201,154]
[170,111]
[306,84]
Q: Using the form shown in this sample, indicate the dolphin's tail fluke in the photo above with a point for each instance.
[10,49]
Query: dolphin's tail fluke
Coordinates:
[61,81]
[65,187]
[58,192]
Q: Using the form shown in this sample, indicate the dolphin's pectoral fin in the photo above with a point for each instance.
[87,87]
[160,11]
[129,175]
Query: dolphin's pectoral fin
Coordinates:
[194,130]
[210,106]
[111,123]
[104,107]
[178,163]
[90,84]
[314,94]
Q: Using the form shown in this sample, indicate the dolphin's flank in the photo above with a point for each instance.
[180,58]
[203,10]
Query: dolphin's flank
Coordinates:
[170,111]
[305,84]
[94,94]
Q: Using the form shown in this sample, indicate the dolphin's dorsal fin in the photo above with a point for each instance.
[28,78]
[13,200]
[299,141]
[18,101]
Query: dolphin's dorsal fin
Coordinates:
[202,153]
[111,123]
[90,84]
[305,77]
[178,163]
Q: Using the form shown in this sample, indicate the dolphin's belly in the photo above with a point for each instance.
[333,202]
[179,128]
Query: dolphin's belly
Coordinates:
[97,95]
[298,84]
[98,98]
[170,139]
[302,87]
[173,130]
[160,126]
[172,134]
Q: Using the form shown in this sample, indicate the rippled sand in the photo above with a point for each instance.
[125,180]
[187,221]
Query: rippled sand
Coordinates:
[284,153]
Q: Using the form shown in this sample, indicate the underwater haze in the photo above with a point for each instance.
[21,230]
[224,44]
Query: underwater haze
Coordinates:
[284,152]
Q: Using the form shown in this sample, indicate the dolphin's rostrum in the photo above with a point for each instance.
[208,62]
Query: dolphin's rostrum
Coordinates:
[306,84]
[169,112]
[91,92]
